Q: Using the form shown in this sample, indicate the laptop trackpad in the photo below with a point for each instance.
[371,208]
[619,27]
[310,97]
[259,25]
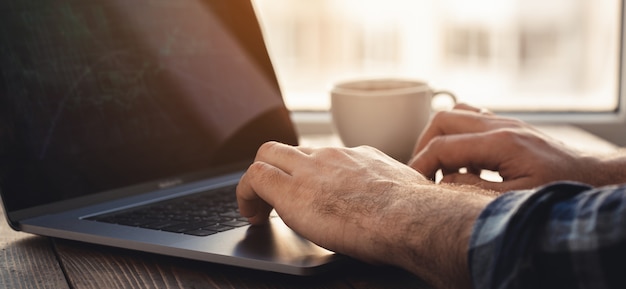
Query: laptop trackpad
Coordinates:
[274,242]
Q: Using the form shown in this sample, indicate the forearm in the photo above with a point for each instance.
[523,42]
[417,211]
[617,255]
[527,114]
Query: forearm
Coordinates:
[610,169]
[435,245]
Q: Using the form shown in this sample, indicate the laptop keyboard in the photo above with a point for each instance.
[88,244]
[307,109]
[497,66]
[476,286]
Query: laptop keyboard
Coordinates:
[200,214]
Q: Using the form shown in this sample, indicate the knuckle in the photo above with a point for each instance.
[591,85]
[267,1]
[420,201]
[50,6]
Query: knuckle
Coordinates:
[267,147]
[255,168]
[512,133]
[513,137]
[439,116]
[505,133]
[261,171]
[366,148]
[436,142]
[330,152]
[259,177]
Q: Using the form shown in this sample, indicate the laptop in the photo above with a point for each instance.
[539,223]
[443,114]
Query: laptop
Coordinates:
[108,107]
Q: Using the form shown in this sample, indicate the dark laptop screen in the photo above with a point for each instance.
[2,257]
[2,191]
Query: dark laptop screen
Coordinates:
[98,95]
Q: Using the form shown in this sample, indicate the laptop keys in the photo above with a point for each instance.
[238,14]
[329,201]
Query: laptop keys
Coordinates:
[200,214]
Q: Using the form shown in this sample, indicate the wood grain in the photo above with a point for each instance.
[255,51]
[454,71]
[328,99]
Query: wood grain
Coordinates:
[27,261]
[93,266]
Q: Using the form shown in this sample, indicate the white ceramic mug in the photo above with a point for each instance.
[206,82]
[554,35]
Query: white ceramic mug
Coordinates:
[388,114]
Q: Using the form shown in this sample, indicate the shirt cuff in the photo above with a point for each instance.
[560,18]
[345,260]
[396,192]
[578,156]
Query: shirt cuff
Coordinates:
[506,231]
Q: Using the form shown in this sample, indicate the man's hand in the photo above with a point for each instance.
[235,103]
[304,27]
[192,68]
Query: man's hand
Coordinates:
[362,203]
[523,156]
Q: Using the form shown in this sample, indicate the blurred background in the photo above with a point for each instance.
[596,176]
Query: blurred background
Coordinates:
[506,55]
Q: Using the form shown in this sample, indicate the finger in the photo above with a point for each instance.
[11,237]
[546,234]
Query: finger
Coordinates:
[258,190]
[451,122]
[465,106]
[453,152]
[464,120]
[282,156]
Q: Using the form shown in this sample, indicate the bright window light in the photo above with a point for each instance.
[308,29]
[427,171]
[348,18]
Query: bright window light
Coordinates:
[507,55]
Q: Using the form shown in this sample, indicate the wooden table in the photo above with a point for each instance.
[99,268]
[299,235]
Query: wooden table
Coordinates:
[28,261]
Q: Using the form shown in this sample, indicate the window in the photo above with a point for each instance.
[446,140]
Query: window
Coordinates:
[507,55]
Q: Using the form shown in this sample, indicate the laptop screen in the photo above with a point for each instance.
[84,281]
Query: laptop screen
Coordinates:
[100,95]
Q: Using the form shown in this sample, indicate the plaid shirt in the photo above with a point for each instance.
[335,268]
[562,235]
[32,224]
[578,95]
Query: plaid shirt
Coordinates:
[564,235]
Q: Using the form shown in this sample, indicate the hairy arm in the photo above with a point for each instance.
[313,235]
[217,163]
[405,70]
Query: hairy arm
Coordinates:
[608,169]
[364,204]
[440,256]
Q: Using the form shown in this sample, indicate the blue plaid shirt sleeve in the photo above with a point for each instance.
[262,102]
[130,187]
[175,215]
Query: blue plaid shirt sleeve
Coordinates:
[564,235]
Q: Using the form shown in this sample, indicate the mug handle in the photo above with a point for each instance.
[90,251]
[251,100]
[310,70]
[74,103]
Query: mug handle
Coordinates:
[450,95]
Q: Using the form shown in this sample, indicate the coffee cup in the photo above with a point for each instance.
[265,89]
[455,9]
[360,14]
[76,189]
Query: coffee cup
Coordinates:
[388,114]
